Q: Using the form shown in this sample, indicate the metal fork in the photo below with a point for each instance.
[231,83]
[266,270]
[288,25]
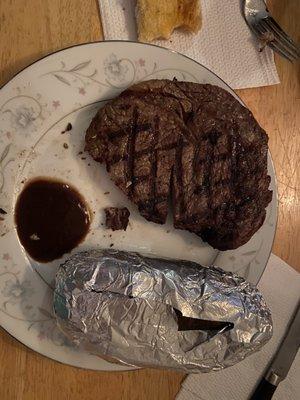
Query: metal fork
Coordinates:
[267,30]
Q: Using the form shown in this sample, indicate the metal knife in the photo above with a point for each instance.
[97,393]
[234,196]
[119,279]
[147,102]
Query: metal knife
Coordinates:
[282,360]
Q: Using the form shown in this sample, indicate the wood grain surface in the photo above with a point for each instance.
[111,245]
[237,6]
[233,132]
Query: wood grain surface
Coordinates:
[30,29]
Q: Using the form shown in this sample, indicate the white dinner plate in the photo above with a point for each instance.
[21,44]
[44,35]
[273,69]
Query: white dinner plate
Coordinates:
[35,107]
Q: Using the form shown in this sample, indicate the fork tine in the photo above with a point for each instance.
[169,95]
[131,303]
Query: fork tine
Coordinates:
[282,36]
[278,43]
[274,46]
[262,28]
[281,45]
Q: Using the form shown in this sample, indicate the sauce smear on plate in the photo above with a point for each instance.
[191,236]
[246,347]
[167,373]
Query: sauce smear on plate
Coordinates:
[51,218]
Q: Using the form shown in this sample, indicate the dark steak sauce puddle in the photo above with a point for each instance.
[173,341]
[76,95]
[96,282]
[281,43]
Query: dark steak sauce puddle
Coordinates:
[51,218]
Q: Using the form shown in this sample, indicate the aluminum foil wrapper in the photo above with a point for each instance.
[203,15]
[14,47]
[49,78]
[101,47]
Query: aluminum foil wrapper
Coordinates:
[123,306]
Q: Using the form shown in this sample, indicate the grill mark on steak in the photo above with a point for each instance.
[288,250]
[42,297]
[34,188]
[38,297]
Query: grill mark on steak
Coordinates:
[154,163]
[207,176]
[213,137]
[193,142]
[196,160]
[178,166]
[195,164]
[123,132]
[233,145]
[130,152]
[119,157]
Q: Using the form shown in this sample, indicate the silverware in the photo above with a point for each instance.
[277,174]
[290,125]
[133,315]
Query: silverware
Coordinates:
[268,31]
[282,360]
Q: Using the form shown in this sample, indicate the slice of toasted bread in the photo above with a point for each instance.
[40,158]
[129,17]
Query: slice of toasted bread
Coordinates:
[158,18]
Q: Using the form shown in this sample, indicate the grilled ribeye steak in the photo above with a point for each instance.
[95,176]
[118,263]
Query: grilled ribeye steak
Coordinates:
[194,143]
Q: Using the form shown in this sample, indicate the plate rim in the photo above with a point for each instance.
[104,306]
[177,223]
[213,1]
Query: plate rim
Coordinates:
[101,42]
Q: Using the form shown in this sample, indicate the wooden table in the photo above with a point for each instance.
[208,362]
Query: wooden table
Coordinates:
[30,29]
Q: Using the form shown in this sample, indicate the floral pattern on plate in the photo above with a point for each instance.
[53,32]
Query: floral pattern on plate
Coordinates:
[35,106]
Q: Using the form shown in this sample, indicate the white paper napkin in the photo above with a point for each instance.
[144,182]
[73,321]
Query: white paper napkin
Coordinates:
[280,285]
[224,44]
